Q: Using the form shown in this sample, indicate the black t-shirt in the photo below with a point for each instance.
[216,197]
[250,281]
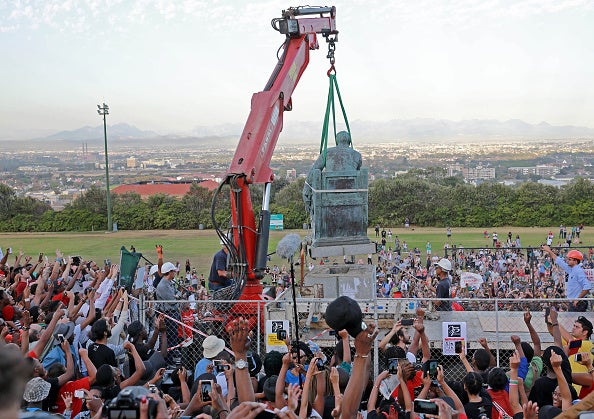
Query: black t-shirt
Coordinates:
[443,291]
[50,400]
[475,409]
[100,354]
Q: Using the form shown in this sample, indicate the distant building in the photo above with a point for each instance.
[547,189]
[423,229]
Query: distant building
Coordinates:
[453,169]
[131,162]
[540,170]
[291,174]
[478,173]
[177,190]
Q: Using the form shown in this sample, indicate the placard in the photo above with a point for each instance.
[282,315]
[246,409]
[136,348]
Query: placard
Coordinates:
[272,343]
[453,332]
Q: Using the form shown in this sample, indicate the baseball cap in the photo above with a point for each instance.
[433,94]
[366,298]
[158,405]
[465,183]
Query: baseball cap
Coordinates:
[167,267]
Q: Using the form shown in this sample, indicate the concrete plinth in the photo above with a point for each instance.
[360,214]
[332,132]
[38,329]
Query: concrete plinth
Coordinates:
[329,250]
[332,281]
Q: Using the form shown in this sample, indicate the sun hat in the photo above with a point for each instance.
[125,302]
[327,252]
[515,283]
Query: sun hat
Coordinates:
[212,345]
[36,390]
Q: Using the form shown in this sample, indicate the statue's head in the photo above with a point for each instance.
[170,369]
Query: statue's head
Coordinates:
[343,138]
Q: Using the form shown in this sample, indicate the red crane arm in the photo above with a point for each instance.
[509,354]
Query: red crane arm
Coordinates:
[251,163]
[265,122]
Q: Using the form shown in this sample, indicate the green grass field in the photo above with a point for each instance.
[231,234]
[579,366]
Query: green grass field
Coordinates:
[200,245]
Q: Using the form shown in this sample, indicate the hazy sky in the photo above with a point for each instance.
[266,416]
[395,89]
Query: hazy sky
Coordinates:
[170,65]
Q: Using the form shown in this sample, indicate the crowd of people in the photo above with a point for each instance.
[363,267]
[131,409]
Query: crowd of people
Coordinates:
[505,273]
[71,344]
[78,355]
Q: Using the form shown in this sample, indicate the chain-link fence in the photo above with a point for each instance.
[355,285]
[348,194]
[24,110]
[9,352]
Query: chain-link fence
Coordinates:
[494,320]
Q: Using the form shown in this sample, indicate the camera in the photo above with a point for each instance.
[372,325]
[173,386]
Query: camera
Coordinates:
[406,322]
[426,406]
[127,404]
[393,365]
[281,334]
[205,389]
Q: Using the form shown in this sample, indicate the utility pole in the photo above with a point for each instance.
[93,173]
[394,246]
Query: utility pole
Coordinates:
[104,110]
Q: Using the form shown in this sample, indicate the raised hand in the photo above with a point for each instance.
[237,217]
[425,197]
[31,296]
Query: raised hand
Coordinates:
[240,341]
[364,340]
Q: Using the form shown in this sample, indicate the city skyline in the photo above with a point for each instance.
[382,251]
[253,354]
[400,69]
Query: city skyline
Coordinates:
[172,67]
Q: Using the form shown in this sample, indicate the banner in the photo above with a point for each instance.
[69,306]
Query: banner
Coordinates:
[469,279]
[128,265]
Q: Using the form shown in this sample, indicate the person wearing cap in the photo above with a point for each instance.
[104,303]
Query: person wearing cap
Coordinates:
[442,291]
[577,285]
[217,278]
[166,291]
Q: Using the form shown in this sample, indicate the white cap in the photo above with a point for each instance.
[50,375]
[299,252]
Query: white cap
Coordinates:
[444,264]
[167,267]
[153,270]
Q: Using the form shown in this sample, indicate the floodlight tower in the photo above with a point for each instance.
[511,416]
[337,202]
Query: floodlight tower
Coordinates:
[103,111]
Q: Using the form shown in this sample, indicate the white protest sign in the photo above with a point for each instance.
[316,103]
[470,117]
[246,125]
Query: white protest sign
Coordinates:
[453,332]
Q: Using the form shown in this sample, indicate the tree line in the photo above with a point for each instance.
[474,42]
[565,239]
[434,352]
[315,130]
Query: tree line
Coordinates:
[425,196]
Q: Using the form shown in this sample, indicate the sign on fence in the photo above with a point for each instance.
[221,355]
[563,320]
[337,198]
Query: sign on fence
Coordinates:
[276,221]
[453,332]
[272,343]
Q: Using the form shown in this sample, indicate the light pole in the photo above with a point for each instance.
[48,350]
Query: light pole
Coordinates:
[104,110]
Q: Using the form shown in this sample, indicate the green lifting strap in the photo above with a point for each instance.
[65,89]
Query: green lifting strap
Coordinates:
[330,106]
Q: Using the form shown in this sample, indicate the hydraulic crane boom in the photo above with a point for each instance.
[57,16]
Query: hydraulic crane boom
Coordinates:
[248,245]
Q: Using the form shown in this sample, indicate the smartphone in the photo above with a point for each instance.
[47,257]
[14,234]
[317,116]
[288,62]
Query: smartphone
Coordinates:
[219,366]
[320,364]
[332,333]
[430,368]
[586,415]
[9,250]
[60,338]
[426,406]
[574,346]
[547,313]
[79,394]
[107,262]
[281,334]
[458,346]
[577,357]
[393,366]
[152,388]
[205,389]
[406,322]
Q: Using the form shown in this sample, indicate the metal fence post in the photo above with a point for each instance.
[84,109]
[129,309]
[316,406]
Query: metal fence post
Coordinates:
[259,328]
[141,311]
[497,328]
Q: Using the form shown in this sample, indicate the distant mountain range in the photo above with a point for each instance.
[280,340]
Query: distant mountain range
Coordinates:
[420,129]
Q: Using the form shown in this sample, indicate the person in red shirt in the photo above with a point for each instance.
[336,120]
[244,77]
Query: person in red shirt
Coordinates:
[187,318]
[84,383]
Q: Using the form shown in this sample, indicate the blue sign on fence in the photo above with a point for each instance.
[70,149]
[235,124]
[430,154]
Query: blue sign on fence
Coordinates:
[276,221]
